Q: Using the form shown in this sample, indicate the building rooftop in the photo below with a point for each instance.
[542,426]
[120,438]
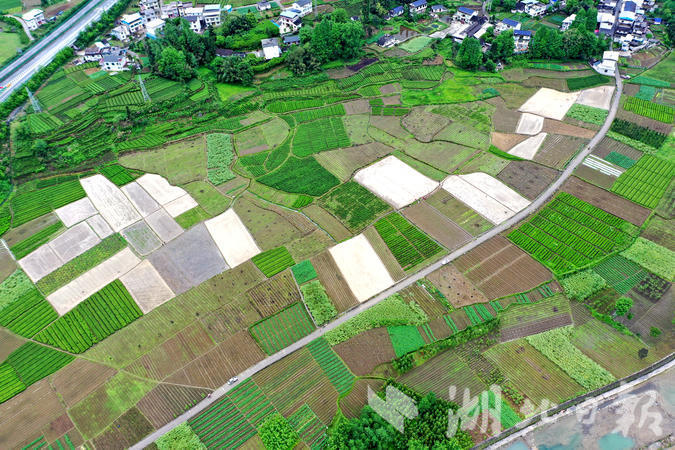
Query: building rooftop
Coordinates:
[270,43]
[129,18]
[418,3]
[32,14]
[465,10]
[510,22]
[522,33]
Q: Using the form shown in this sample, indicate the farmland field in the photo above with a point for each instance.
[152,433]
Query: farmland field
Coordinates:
[646,181]
[409,245]
[282,329]
[354,205]
[366,350]
[273,261]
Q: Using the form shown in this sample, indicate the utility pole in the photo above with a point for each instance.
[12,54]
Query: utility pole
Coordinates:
[146,97]
[33,101]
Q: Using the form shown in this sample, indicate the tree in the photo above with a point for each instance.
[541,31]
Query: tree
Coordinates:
[172,64]
[339,15]
[233,69]
[654,332]
[591,19]
[329,40]
[300,61]
[547,44]
[623,305]
[490,65]
[503,46]
[470,55]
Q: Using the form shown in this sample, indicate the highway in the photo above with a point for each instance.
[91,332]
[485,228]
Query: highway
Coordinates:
[531,208]
[22,69]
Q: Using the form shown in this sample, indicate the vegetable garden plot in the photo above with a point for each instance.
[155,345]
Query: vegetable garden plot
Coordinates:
[96,318]
[27,313]
[10,384]
[222,426]
[354,205]
[300,176]
[367,350]
[320,135]
[656,111]
[646,181]
[620,273]
[28,245]
[639,133]
[251,401]
[29,205]
[32,362]
[318,113]
[282,329]
[273,261]
[310,429]
[405,339]
[408,244]
[304,271]
[332,366]
[570,233]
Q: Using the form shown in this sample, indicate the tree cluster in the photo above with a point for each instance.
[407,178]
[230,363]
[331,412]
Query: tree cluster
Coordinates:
[575,43]
[330,40]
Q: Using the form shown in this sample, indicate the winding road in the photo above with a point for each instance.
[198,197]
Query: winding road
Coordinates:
[534,206]
[19,71]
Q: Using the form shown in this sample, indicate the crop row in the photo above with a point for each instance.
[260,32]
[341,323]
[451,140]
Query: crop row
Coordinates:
[333,367]
[32,362]
[222,426]
[326,90]
[638,133]
[294,105]
[273,261]
[318,113]
[656,111]
[585,82]
[282,329]
[645,182]
[251,401]
[31,243]
[10,384]
[28,313]
[620,160]
[451,323]
[389,111]
[94,319]
[117,174]
[474,317]
[320,135]
[408,244]
[32,204]
[309,427]
[620,273]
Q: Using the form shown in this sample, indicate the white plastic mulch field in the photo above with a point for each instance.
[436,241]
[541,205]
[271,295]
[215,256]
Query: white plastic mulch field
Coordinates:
[76,212]
[100,226]
[160,189]
[163,224]
[486,195]
[232,238]
[529,124]
[146,286]
[110,202]
[602,166]
[597,97]
[92,281]
[52,255]
[363,270]
[550,103]
[177,207]
[529,147]
[141,200]
[395,182]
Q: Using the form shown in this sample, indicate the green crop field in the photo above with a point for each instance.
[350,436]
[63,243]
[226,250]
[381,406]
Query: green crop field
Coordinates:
[641,134]
[405,339]
[336,370]
[656,111]
[620,160]
[94,319]
[587,114]
[10,384]
[300,176]
[310,429]
[319,304]
[620,273]
[282,329]
[569,233]
[474,317]
[320,135]
[32,362]
[26,246]
[354,205]
[273,261]
[222,426]
[409,245]
[646,181]
[585,82]
[28,313]
[294,105]
[319,113]
[304,271]
[118,174]
[32,204]
[251,401]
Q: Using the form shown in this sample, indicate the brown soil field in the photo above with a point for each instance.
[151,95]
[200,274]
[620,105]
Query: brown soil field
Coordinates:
[581,123]
[514,94]
[505,120]
[659,230]
[392,100]
[630,89]
[58,427]
[499,268]
[352,403]
[7,263]
[580,314]
[389,124]
[331,279]
[390,88]
[644,121]
[175,352]
[456,287]
[79,378]
[506,141]
[8,343]
[594,177]
[611,203]
[440,328]
[608,145]
[557,127]
[23,418]
[559,84]
[660,316]
[274,294]
[124,432]
[268,227]
[557,150]
[344,162]
[309,245]
[460,319]
[528,329]
[458,212]
[384,253]
[360,106]
[166,401]
[436,225]
[18,234]
[241,351]
[224,322]
[430,305]
[366,350]
[327,222]
[423,124]
[527,178]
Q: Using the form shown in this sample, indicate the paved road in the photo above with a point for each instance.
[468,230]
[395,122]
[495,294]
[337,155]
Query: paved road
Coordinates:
[42,53]
[538,202]
[23,24]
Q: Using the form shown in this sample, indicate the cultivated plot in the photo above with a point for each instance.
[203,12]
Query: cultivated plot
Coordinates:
[82,287]
[110,202]
[182,204]
[232,238]
[141,238]
[488,196]
[141,200]
[550,103]
[163,224]
[160,189]
[76,212]
[395,182]
[100,226]
[361,267]
[146,286]
[529,147]
[529,124]
[597,97]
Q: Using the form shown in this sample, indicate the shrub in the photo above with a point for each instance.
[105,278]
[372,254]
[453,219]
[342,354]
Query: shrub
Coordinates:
[623,305]
[277,434]
[653,257]
[582,285]
[318,302]
[180,437]
[403,364]
[654,331]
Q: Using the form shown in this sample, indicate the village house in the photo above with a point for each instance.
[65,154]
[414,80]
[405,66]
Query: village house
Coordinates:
[304,6]
[134,22]
[521,40]
[567,23]
[387,41]
[263,6]
[290,21]
[195,23]
[608,64]
[120,32]
[34,19]
[270,48]
[397,11]
[418,6]
[437,10]
[153,28]
[507,24]
[114,61]
[212,15]
[292,39]
[465,14]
